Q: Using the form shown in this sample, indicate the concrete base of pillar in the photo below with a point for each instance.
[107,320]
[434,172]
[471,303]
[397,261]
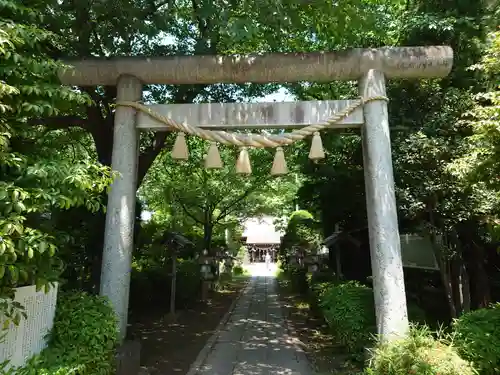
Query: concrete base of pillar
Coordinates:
[128,358]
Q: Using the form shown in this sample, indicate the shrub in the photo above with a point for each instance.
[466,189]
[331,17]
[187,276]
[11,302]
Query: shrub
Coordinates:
[321,277]
[147,280]
[319,289]
[298,280]
[188,282]
[316,291]
[419,354]
[302,232]
[238,270]
[320,281]
[477,338]
[82,341]
[348,311]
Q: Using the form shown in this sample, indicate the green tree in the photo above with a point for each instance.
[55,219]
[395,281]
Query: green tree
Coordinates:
[480,163]
[478,166]
[428,138]
[32,185]
[166,28]
[302,236]
[210,199]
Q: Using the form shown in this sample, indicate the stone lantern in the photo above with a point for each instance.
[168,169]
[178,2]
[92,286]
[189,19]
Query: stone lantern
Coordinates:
[312,263]
[295,259]
[206,266]
[207,273]
[228,261]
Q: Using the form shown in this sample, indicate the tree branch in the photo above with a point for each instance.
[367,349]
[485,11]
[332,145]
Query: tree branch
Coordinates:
[186,211]
[178,199]
[147,158]
[227,210]
[60,122]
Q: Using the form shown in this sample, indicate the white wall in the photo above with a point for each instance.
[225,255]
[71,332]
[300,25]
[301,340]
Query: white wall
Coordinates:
[28,338]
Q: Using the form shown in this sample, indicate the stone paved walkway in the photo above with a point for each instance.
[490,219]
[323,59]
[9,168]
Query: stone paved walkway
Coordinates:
[255,339]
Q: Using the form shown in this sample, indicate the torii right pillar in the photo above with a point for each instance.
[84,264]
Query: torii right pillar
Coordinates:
[385,247]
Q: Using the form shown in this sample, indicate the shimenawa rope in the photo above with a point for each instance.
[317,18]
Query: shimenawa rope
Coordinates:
[213,159]
[250,140]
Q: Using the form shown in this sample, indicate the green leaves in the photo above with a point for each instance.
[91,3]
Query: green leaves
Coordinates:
[82,340]
[476,336]
[302,234]
[421,352]
[349,311]
[35,179]
[194,196]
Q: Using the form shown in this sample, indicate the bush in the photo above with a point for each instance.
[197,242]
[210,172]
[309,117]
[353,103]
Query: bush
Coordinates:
[318,283]
[302,232]
[298,280]
[477,338]
[82,341]
[188,282]
[319,289]
[238,270]
[321,277]
[147,280]
[418,354]
[348,310]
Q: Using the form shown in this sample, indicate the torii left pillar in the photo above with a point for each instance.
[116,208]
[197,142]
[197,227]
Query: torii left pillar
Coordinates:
[120,215]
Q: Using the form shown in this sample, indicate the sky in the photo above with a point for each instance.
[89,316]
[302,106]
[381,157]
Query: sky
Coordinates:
[282,95]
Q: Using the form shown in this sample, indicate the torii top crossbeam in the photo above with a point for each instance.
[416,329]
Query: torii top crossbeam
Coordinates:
[394,62]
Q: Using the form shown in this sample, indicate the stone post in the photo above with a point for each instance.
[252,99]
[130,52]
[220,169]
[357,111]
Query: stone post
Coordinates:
[385,247]
[120,214]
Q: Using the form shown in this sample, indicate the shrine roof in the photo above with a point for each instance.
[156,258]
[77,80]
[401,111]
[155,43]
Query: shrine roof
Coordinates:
[261,231]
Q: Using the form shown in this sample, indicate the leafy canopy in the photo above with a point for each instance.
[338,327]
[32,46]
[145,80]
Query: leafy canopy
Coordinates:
[33,184]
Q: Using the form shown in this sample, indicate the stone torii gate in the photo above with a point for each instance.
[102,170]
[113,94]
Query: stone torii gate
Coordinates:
[370,67]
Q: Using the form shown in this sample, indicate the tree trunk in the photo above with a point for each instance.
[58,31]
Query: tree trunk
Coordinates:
[480,282]
[475,260]
[95,248]
[459,277]
[460,286]
[338,263]
[443,262]
[207,236]
[173,287]
[448,287]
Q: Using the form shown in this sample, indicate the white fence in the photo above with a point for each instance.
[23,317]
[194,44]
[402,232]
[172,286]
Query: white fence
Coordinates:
[28,338]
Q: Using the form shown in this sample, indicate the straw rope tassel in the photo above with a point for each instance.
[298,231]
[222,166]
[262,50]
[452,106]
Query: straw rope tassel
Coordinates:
[213,160]
[316,152]
[180,150]
[279,164]
[243,165]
